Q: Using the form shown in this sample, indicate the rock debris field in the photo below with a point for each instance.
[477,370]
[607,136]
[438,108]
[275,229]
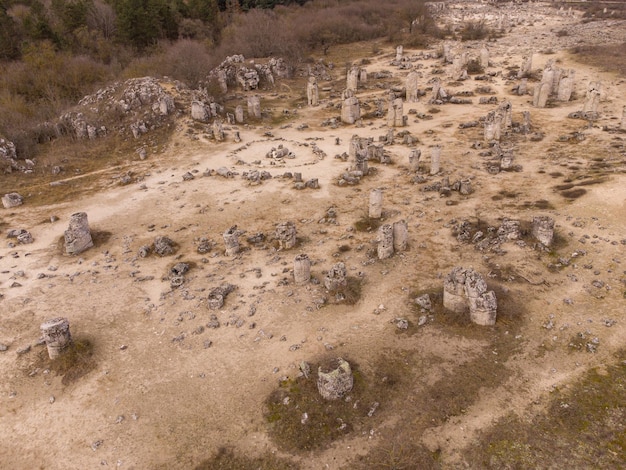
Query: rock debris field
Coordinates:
[404,200]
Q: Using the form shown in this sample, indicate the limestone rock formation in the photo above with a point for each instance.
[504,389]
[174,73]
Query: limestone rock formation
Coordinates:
[301,269]
[77,236]
[543,229]
[335,280]
[336,380]
[56,334]
[466,290]
[286,235]
[12,200]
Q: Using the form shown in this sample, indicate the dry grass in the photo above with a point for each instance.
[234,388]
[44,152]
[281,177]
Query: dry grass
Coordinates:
[583,427]
[603,57]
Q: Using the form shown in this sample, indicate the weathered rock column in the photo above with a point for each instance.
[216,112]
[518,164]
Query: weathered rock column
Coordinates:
[592,100]
[543,229]
[435,155]
[454,297]
[231,240]
[218,131]
[414,159]
[566,86]
[484,57]
[465,188]
[376,204]
[623,123]
[400,235]
[56,334]
[352,79]
[254,106]
[312,92]
[336,380]
[239,114]
[199,111]
[411,87]
[350,110]
[399,52]
[286,235]
[301,269]
[77,236]
[541,94]
[385,241]
[526,68]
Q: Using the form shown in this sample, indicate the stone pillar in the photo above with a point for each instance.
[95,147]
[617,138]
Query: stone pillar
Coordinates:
[506,111]
[411,85]
[335,280]
[541,94]
[414,159]
[399,52]
[400,235]
[56,334]
[566,87]
[350,110]
[526,68]
[385,241]
[286,235]
[312,92]
[78,236]
[254,106]
[435,155]
[543,229]
[218,131]
[484,57]
[301,269]
[454,297]
[376,204]
[231,240]
[623,124]
[222,80]
[239,114]
[352,80]
[199,111]
[336,380]
[592,100]
[465,188]
[362,76]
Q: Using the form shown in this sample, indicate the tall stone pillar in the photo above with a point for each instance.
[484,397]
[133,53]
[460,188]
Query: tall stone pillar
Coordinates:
[77,236]
[56,334]
[376,204]
[301,269]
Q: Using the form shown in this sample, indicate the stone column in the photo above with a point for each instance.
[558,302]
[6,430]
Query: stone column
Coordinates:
[218,131]
[543,229]
[592,100]
[239,114]
[312,92]
[301,269]
[12,200]
[483,309]
[411,85]
[399,52]
[231,240]
[526,68]
[414,159]
[254,106]
[78,236]
[56,334]
[385,241]
[435,155]
[400,235]
[623,124]
[566,87]
[465,188]
[352,80]
[376,204]
[199,111]
[484,57]
[350,110]
[336,380]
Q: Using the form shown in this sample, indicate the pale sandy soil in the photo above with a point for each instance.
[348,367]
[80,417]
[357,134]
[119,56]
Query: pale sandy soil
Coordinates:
[181,401]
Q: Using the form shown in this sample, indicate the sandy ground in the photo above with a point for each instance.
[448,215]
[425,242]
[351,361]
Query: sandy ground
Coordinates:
[153,402]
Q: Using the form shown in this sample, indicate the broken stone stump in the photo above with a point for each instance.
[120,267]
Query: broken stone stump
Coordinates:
[163,246]
[199,111]
[77,236]
[254,106]
[335,380]
[543,229]
[286,235]
[376,204]
[12,200]
[302,269]
[435,155]
[217,295]
[56,334]
[335,280]
[454,298]
[231,240]
[483,309]
[465,187]
[400,235]
[385,241]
